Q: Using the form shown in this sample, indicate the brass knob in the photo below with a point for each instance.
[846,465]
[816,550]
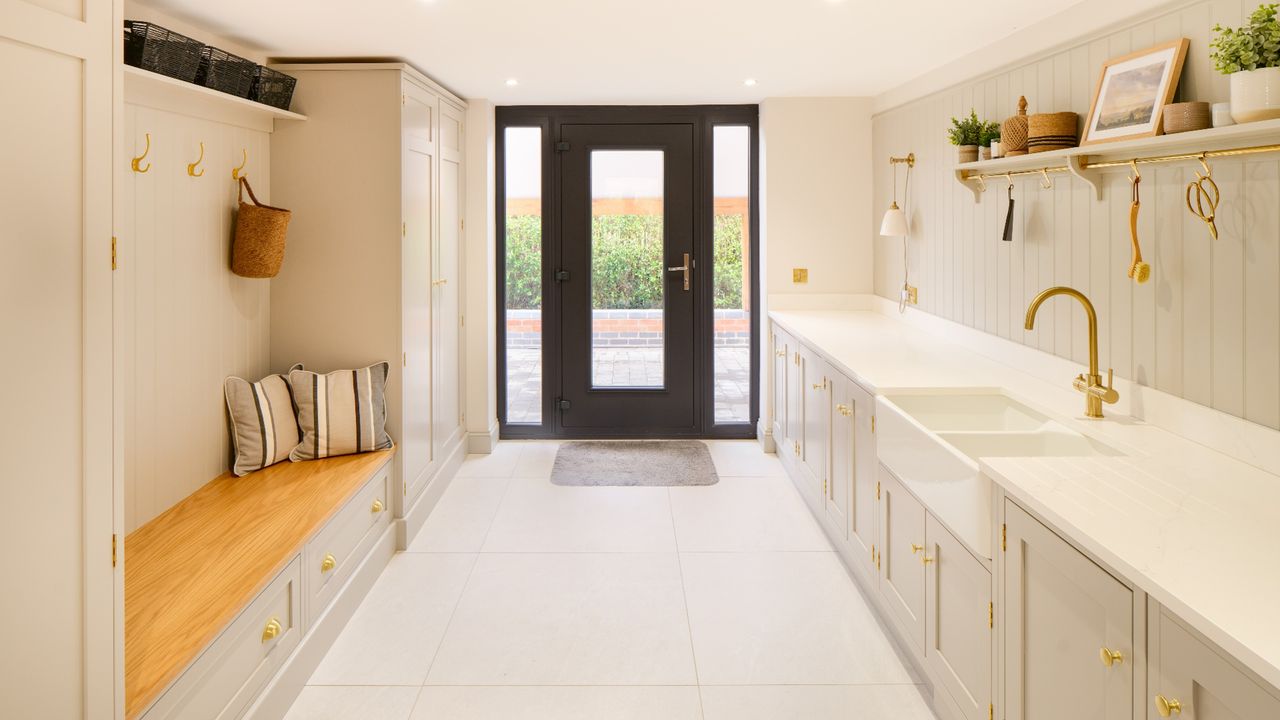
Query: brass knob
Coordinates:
[781,353]
[1110,657]
[377,506]
[271,631]
[328,563]
[1167,707]
[926,560]
[916,548]
[819,386]
[438,283]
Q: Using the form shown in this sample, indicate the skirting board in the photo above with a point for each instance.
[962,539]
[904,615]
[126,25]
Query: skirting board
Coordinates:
[483,443]
[409,525]
[284,688]
[764,433]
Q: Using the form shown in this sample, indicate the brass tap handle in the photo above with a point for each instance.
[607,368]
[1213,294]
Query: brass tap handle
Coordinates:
[1168,707]
[1110,657]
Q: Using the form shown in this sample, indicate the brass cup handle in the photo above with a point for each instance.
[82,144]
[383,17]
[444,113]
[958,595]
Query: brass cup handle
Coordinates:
[1168,707]
[441,281]
[686,268]
[328,563]
[780,353]
[377,507]
[915,549]
[271,631]
[1110,657]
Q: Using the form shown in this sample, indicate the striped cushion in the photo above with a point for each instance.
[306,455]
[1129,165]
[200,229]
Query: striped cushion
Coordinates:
[264,426]
[341,413]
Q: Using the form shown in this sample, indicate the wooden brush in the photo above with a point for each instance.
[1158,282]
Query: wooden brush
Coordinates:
[1138,270]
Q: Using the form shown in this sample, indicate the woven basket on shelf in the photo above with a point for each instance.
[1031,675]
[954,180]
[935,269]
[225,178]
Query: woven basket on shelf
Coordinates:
[1013,135]
[258,248]
[1052,131]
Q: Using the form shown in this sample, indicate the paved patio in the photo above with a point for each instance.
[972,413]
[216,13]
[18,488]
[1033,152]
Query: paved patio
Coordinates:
[628,367]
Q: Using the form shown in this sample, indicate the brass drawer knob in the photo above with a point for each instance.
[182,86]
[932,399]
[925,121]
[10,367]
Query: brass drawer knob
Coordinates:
[915,549]
[377,506]
[328,563]
[780,353]
[1167,707]
[271,631]
[926,560]
[1110,657]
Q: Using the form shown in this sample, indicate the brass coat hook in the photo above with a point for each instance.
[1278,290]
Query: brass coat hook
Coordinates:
[1137,176]
[1202,192]
[237,173]
[135,164]
[1045,182]
[191,168]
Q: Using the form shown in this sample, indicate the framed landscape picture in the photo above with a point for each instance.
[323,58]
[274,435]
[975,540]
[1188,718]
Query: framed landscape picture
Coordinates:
[1132,93]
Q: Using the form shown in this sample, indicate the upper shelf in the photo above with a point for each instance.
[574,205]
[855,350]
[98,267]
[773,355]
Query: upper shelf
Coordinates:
[143,87]
[1082,161]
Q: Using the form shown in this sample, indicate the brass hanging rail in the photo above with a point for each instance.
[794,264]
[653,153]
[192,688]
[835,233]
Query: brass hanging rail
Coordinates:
[1085,165]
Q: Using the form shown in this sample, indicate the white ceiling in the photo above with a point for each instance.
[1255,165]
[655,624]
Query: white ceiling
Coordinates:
[631,51]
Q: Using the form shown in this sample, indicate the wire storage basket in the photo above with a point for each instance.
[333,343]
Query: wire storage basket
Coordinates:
[272,87]
[223,71]
[160,50]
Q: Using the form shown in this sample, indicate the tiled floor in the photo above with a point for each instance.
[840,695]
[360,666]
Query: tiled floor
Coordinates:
[522,600]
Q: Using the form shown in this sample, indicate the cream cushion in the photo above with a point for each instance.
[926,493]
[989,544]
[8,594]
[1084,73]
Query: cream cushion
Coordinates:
[264,426]
[342,412]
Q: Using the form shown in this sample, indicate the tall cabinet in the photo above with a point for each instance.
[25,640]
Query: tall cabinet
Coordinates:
[373,267]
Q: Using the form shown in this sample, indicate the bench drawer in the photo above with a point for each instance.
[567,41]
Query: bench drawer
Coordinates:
[228,675]
[336,551]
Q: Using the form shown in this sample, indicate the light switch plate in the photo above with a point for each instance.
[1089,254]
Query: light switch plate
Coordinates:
[799,275]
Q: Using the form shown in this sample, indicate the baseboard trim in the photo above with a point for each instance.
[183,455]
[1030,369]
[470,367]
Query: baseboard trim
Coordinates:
[483,443]
[284,688]
[764,434]
[416,516]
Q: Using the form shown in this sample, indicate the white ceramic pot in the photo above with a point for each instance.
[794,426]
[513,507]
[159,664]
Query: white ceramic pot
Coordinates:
[1255,95]
[967,153]
[997,150]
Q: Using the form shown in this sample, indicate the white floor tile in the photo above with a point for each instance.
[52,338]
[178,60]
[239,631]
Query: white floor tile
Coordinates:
[742,514]
[558,703]
[461,519]
[743,458]
[537,457]
[568,619]
[394,634]
[783,618]
[536,516]
[500,463]
[347,702]
[815,702]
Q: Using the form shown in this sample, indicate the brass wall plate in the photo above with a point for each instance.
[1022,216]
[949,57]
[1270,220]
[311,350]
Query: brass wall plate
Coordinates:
[799,275]
[913,295]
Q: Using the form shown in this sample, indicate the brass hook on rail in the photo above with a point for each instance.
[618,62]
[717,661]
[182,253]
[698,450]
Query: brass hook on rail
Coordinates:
[1204,163]
[1045,182]
[982,182]
[135,164]
[1008,177]
[244,160]
[191,168]
[1137,176]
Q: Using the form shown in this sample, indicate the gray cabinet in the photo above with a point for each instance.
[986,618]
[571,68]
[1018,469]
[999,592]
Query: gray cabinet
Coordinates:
[1189,678]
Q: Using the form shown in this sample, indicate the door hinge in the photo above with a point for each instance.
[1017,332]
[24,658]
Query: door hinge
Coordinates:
[991,615]
[563,404]
[873,424]
[114,264]
[114,542]
[991,712]
[877,489]
[561,276]
[1004,538]
[563,146]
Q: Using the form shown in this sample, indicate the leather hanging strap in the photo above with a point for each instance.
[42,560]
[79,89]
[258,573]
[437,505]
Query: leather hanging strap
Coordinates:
[244,185]
[1008,218]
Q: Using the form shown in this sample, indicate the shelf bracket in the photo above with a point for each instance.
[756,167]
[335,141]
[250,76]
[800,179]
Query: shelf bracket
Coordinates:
[1079,166]
[963,179]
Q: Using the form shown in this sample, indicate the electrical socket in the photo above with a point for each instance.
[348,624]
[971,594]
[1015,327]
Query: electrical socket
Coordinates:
[911,295]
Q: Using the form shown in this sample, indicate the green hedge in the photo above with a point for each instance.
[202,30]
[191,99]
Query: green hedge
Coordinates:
[626,261]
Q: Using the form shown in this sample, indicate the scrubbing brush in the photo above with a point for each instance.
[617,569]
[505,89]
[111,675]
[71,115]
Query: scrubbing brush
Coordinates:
[1138,270]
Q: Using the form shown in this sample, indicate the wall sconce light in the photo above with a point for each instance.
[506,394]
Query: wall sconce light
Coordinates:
[895,224]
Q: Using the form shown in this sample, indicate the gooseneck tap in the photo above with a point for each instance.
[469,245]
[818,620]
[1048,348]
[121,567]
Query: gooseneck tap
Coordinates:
[1095,393]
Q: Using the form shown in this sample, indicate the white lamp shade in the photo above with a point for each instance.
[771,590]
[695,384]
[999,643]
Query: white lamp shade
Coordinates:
[894,223]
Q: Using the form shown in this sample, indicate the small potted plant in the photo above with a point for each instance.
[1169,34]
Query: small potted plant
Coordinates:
[966,134]
[989,140]
[1250,55]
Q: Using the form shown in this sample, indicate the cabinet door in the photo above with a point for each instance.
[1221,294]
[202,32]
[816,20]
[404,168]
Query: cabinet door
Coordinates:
[839,493]
[1068,630]
[779,418]
[902,558]
[814,450]
[959,617]
[447,345]
[795,401]
[863,514]
[1189,679]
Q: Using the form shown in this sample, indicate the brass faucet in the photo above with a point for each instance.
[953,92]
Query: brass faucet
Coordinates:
[1095,393]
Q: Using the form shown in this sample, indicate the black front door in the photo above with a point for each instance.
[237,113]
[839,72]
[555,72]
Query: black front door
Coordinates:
[627,281]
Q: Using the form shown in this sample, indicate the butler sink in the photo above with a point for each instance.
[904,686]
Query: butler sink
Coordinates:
[932,442]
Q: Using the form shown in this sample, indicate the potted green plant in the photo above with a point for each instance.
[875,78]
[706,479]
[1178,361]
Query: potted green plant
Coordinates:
[966,134]
[989,140]
[1250,55]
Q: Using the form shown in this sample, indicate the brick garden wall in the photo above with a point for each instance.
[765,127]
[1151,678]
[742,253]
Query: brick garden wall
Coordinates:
[627,328]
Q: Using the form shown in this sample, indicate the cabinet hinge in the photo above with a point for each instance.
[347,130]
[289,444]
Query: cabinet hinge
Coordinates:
[873,424]
[991,712]
[797,359]
[115,539]
[405,359]
[1004,538]
[404,229]
[402,98]
[991,615]
[877,489]
[462,223]
[795,447]
[462,321]
[563,146]
[114,264]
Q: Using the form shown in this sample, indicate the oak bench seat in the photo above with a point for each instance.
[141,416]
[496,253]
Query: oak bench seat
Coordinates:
[190,571]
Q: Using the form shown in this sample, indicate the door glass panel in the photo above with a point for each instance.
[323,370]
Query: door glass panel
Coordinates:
[732,284]
[523,176]
[628,280]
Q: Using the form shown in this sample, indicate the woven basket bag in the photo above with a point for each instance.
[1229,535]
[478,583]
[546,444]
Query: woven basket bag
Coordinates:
[258,248]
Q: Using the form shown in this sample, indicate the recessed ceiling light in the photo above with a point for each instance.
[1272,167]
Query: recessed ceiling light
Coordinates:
[749,82]
[512,82]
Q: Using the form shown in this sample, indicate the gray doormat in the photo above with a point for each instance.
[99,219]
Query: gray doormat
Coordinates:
[642,463]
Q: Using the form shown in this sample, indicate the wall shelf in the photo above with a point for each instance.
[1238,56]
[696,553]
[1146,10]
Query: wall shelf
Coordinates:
[1088,163]
[143,87]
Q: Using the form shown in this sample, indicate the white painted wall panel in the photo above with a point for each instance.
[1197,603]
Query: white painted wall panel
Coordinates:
[1207,326]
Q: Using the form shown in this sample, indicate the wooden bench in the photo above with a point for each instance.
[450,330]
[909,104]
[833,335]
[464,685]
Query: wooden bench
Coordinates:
[278,543]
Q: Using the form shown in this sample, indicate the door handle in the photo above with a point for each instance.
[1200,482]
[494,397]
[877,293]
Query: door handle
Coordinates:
[687,269]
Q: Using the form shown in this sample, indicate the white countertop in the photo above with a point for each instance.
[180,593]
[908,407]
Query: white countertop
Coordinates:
[1197,530]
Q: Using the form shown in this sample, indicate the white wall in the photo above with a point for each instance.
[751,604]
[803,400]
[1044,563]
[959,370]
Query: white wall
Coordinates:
[481,254]
[1203,329]
[816,194]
